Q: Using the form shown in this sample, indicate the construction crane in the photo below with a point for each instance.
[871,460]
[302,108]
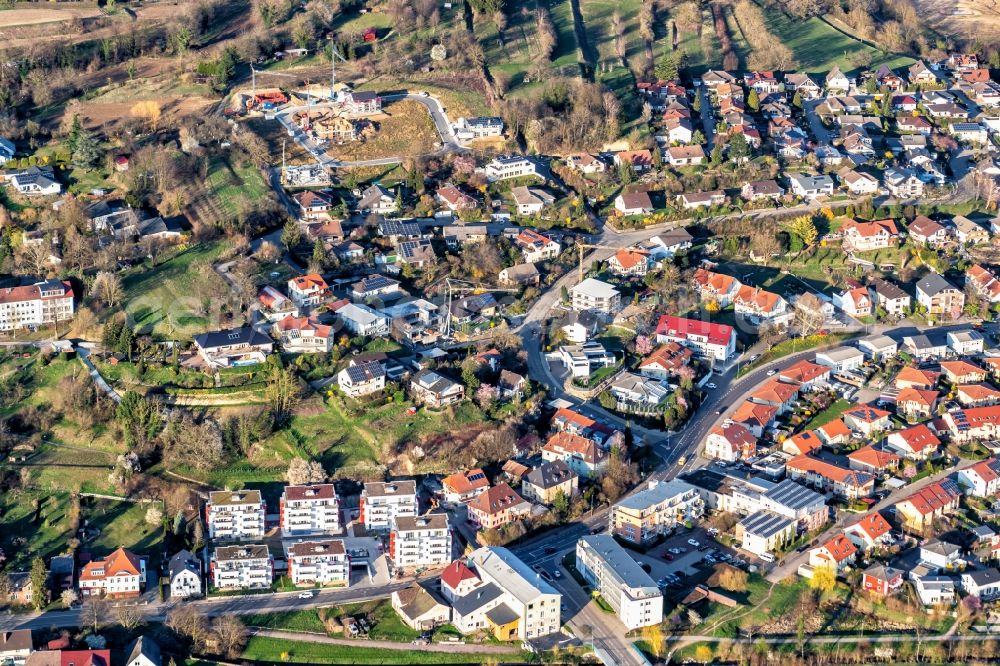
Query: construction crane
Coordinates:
[334,54]
[461,286]
[253,78]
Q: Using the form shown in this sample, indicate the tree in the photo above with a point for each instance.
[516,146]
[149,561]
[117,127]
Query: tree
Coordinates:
[6,586]
[69,597]
[88,151]
[302,472]
[189,622]
[179,522]
[560,504]
[667,67]
[698,137]
[739,148]
[797,100]
[318,257]
[147,111]
[188,442]
[283,393]
[268,252]
[140,419]
[39,578]
[94,612]
[764,244]
[703,654]
[230,633]
[823,579]
[291,235]
[804,228]
[753,100]
[809,316]
[733,579]
[108,288]
[619,475]
[717,153]
[128,616]
[654,636]
[154,515]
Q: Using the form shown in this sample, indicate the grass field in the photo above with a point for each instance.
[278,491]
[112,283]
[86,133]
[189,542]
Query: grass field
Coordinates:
[44,533]
[817,46]
[272,650]
[120,524]
[228,183]
[831,413]
[167,301]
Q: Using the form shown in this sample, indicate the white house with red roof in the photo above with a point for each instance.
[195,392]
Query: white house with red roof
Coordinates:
[873,460]
[808,374]
[981,423]
[463,486]
[914,443]
[981,479]
[855,302]
[758,305]
[457,580]
[867,419]
[304,334]
[630,262]
[776,393]
[308,290]
[870,532]
[984,282]
[865,236]
[730,442]
[928,504]
[716,287]
[536,247]
[836,554]
[802,443]
[714,341]
[120,574]
[584,456]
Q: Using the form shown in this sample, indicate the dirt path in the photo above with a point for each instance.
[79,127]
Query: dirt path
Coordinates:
[459,648]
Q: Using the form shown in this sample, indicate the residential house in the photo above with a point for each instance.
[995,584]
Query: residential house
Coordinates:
[870,532]
[939,296]
[962,372]
[30,306]
[758,306]
[902,183]
[374,287]
[463,486]
[983,583]
[546,481]
[535,246]
[420,608]
[455,199]
[984,282]
[762,189]
[378,200]
[593,294]
[360,319]
[586,163]
[633,203]
[807,374]
[928,504]
[981,479]
[583,455]
[763,532]
[520,275]
[717,288]
[923,347]
[856,302]
[360,379]
[313,205]
[531,200]
[304,334]
[246,566]
[968,232]
[34,181]
[635,392]
[582,359]
[694,200]
[665,361]
[730,442]
[416,253]
[435,390]
[685,155]
[857,182]
[467,129]
[965,341]
[919,74]
[974,423]
[497,507]
[801,443]
[714,341]
[810,186]
[506,167]
[639,160]
[580,326]
[184,571]
[121,574]
[233,347]
[977,395]
[916,403]
[881,580]
[847,483]
[776,393]
[867,419]
[878,347]
[928,232]
[836,554]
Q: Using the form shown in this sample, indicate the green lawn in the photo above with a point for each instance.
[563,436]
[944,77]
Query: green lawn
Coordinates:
[121,524]
[794,346]
[169,301]
[231,183]
[272,650]
[817,46]
[301,620]
[44,534]
[831,413]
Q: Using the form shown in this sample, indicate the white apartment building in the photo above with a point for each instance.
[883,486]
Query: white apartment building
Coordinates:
[235,515]
[420,541]
[247,566]
[642,516]
[322,562]
[41,303]
[622,583]
[382,503]
[593,294]
[510,598]
[313,509]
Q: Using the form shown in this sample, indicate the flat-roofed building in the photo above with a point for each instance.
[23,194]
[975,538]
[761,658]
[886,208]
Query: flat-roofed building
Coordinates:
[381,503]
[621,582]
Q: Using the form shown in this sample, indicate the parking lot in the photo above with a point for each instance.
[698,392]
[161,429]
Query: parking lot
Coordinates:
[677,559]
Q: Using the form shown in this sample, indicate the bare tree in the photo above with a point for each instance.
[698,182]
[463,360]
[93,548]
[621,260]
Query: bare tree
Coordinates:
[230,633]
[108,288]
[302,472]
[69,597]
[128,616]
[94,613]
[190,622]
[809,316]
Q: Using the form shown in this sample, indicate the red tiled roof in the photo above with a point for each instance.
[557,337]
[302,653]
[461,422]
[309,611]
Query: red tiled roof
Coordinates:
[875,458]
[848,477]
[918,437]
[562,443]
[119,562]
[874,525]
[804,442]
[867,413]
[915,376]
[455,573]
[804,371]
[310,282]
[496,499]
[717,334]
[466,482]
[755,413]
[961,368]
[85,658]
[629,259]
[925,397]
[840,548]
[933,498]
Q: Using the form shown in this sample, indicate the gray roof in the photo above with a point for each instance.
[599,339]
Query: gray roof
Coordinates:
[478,598]
[888,289]
[519,580]
[618,560]
[933,284]
[233,336]
[146,647]
[550,474]
[939,547]
[656,492]
[983,577]
[765,524]
[430,521]
[184,561]
[793,495]
[16,639]
[502,614]
[390,488]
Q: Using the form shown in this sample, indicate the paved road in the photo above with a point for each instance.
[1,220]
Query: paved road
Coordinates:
[707,117]
[235,605]
[84,354]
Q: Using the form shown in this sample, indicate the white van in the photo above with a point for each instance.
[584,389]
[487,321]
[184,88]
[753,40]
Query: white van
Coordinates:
[767,557]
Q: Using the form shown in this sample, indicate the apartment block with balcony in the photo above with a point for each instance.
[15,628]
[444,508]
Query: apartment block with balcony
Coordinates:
[645,515]
[246,566]
[421,541]
[312,509]
[628,589]
[320,562]
[382,503]
[235,515]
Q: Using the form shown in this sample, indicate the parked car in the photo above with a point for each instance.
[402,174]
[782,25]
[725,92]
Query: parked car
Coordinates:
[693,542]
[711,386]
[306,595]
[772,372]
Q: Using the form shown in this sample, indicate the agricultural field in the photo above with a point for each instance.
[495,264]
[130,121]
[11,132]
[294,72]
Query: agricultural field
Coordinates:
[969,20]
[10,18]
[168,301]
[230,184]
[406,129]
